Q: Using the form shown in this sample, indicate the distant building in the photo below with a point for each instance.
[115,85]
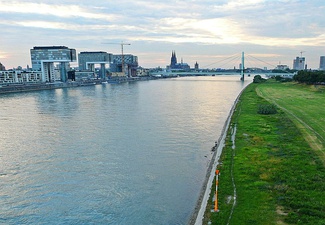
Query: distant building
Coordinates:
[196,66]
[299,63]
[281,67]
[322,63]
[18,76]
[128,61]
[2,67]
[178,66]
[87,61]
[142,72]
[43,59]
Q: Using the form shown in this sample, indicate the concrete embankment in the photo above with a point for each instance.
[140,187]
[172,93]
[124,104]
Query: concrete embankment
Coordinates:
[200,208]
[13,88]
[22,87]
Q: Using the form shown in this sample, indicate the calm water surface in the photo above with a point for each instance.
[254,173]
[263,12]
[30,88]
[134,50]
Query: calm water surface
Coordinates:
[132,153]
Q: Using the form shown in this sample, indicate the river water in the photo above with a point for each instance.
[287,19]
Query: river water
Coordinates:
[130,153]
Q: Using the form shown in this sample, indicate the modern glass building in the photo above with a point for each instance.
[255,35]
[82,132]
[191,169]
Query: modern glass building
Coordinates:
[128,61]
[322,63]
[87,61]
[43,59]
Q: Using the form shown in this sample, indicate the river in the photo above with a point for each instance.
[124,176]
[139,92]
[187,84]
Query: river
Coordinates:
[129,153]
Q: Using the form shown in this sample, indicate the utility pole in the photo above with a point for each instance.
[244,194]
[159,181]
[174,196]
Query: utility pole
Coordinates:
[122,46]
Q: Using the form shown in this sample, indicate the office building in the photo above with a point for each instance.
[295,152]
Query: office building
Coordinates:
[299,63]
[19,76]
[128,61]
[43,59]
[87,61]
[322,63]
[281,67]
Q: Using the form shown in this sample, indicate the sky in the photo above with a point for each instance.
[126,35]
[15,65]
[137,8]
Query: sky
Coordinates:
[213,33]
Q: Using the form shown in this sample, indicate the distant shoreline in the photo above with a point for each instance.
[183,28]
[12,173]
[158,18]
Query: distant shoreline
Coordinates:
[24,87]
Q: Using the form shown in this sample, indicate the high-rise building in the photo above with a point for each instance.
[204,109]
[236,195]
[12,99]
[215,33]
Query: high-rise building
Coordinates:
[322,63]
[43,59]
[87,61]
[299,63]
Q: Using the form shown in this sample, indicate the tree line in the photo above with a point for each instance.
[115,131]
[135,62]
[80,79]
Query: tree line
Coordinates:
[310,77]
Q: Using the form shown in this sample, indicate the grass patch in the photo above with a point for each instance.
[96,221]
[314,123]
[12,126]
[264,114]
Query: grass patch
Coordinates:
[304,105]
[279,178]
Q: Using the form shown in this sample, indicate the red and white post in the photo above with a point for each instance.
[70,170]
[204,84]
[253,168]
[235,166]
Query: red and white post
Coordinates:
[216,209]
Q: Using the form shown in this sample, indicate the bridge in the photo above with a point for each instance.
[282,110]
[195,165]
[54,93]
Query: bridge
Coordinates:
[242,71]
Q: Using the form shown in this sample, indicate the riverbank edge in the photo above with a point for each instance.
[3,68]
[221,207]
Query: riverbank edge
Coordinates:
[25,87]
[198,214]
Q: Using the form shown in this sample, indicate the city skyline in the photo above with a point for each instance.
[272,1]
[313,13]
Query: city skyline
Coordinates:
[206,31]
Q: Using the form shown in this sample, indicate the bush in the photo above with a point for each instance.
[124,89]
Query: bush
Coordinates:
[267,109]
[278,78]
[258,79]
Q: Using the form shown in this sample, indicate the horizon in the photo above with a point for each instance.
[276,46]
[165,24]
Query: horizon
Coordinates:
[275,32]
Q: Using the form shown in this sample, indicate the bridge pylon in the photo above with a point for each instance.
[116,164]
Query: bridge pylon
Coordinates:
[242,66]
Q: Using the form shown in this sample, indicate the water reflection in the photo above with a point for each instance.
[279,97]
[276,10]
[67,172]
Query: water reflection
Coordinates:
[82,155]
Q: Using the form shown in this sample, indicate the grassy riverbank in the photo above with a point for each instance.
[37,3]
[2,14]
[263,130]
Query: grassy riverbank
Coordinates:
[276,170]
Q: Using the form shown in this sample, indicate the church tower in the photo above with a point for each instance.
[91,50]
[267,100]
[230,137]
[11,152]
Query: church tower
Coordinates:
[173,60]
[196,66]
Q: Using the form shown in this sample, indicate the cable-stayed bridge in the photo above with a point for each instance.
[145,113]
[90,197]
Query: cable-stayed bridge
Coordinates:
[247,65]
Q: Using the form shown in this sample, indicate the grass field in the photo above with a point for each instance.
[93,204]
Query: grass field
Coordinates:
[273,171]
[305,105]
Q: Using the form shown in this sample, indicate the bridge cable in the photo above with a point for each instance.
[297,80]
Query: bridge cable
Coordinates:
[221,60]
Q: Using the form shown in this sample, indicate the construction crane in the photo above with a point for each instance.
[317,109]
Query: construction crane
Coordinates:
[122,47]
[301,53]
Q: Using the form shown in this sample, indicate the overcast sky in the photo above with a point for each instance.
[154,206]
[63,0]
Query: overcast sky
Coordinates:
[211,32]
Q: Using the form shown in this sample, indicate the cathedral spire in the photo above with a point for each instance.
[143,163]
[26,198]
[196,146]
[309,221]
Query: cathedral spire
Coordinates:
[173,60]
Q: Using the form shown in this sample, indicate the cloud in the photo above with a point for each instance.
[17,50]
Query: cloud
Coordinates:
[260,24]
[65,11]
[3,55]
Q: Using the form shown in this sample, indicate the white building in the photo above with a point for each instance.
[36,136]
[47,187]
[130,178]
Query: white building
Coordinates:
[18,76]
[299,63]
[281,67]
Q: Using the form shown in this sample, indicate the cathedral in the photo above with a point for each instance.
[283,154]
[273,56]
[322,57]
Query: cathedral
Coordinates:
[178,66]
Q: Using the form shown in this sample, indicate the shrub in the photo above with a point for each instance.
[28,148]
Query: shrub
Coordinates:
[267,109]
[258,79]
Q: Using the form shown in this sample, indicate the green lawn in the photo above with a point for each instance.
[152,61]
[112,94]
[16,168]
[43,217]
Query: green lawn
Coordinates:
[278,176]
[305,105]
